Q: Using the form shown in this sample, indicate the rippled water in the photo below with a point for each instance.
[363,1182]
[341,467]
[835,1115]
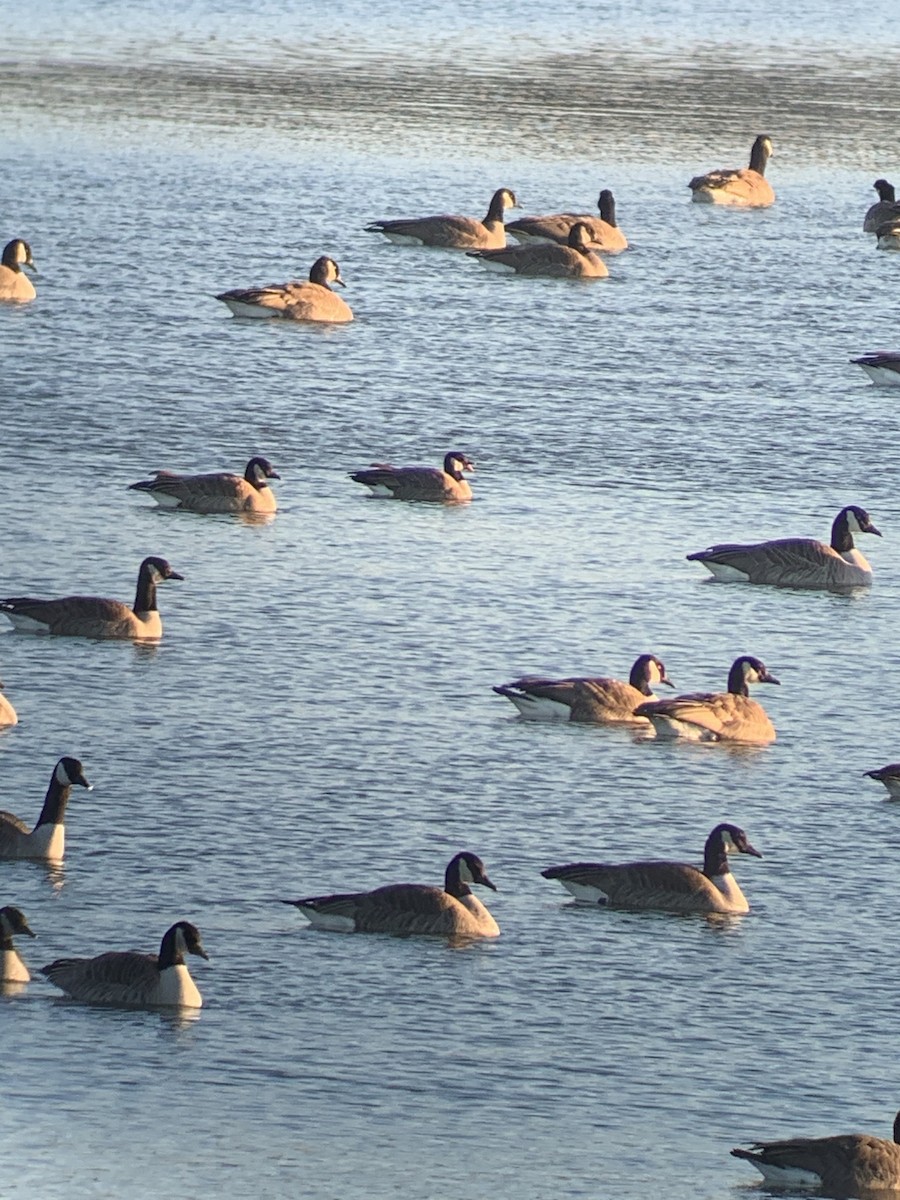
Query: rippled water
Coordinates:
[319,714]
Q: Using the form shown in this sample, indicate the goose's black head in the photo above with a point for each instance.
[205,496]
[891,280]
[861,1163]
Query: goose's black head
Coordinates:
[259,470]
[13,921]
[69,772]
[885,190]
[648,670]
[456,462]
[746,670]
[465,868]
[158,569]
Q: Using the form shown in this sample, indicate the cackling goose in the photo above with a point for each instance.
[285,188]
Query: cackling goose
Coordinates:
[889,776]
[885,209]
[797,562]
[593,700]
[729,716]
[420,483]
[453,232]
[574,260]
[743,187]
[603,232]
[15,286]
[48,838]
[664,886]
[93,616]
[12,923]
[129,977]
[220,492]
[407,908]
[307,300]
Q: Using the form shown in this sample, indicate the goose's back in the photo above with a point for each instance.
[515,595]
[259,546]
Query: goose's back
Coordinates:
[663,886]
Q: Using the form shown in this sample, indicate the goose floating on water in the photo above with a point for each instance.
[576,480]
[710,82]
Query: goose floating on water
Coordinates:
[13,923]
[220,492]
[307,300]
[889,776]
[420,483]
[128,977]
[885,209]
[603,232]
[797,562]
[411,908]
[576,259]
[48,838]
[743,187]
[94,616]
[664,886]
[592,700]
[729,716]
[15,286]
[453,232]
[882,367]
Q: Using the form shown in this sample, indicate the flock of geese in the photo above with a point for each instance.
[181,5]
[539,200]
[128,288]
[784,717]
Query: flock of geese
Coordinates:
[562,245]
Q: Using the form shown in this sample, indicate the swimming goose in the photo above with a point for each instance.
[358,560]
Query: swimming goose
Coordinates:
[889,776]
[797,562]
[220,492]
[716,716]
[849,1164]
[888,234]
[575,260]
[420,483]
[593,700]
[8,715]
[603,232]
[884,210]
[15,286]
[93,616]
[882,367]
[664,886]
[308,300]
[406,908]
[132,978]
[744,187]
[452,232]
[12,923]
[48,838]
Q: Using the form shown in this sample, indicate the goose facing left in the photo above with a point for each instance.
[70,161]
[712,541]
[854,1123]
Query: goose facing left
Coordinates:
[797,562]
[411,908]
[312,299]
[729,716]
[15,286]
[591,700]
[664,886]
[219,492]
[95,616]
[13,923]
[48,838]
[129,977]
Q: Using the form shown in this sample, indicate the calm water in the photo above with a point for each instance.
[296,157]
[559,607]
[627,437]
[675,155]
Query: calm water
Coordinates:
[319,714]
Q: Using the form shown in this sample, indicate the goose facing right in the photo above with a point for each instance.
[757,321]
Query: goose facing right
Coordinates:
[218,492]
[451,232]
[95,616]
[743,187]
[664,886]
[603,231]
[129,977]
[420,483]
[797,562]
[411,908]
[15,286]
[729,716]
[847,1164]
[588,700]
[48,838]
[884,209]
[13,923]
[576,259]
[889,776]
[312,299]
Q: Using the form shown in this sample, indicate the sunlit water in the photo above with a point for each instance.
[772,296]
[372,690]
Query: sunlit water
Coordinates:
[319,714]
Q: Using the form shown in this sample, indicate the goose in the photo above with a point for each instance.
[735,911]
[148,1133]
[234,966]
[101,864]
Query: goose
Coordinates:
[888,234]
[664,886]
[590,700]
[93,616]
[8,715]
[797,562]
[574,260]
[729,716]
[744,187]
[48,838]
[220,492]
[453,232]
[407,908]
[882,367]
[848,1164]
[420,483]
[15,286]
[307,300]
[889,776]
[12,923]
[603,231]
[885,208]
[130,977]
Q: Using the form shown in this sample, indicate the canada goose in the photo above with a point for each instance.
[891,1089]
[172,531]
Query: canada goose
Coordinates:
[308,300]
[406,908]
[133,978]
[743,187]
[220,492]
[8,715]
[48,838]
[885,209]
[888,234]
[603,232]
[452,232]
[797,562]
[849,1164]
[664,886]
[574,260]
[889,776]
[882,367]
[591,700]
[12,922]
[15,286]
[420,483]
[93,616]
[716,716]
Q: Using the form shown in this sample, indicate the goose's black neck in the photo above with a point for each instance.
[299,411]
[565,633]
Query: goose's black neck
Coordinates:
[256,476]
[55,802]
[737,681]
[496,210]
[169,953]
[145,596]
[841,537]
[607,207]
[715,856]
[452,467]
[453,884]
[759,156]
[638,678]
